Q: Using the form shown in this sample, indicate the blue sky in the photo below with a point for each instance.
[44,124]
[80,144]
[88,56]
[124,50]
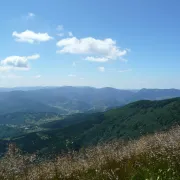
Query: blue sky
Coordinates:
[119,43]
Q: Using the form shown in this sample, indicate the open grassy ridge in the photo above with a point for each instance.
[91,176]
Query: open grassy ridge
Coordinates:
[152,157]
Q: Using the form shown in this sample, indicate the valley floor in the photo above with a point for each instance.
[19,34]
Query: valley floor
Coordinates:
[153,157]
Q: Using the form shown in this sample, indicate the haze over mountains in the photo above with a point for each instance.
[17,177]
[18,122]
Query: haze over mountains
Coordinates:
[67,100]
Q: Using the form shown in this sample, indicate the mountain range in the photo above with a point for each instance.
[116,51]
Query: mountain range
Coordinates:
[67,100]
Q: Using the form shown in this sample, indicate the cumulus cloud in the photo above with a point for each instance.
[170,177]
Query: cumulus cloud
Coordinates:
[31,37]
[96,59]
[95,49]
[4,68]
[33,57]
[101,69]
[17,62]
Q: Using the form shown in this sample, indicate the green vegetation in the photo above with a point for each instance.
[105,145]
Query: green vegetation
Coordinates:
[116,144]
[83,130]
[9,131]
[154,157]
[22,118]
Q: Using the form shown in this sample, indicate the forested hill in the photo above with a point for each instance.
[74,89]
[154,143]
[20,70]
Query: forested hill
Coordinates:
[81,130]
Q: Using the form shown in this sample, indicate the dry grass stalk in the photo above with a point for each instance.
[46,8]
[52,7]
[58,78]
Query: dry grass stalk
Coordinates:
[151,157]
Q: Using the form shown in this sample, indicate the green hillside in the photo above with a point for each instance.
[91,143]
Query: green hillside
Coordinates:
[135,119]
[21,118]
[9,131]
[128,122]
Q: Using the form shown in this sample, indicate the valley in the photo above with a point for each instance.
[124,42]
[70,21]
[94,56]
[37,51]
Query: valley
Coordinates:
[53,132]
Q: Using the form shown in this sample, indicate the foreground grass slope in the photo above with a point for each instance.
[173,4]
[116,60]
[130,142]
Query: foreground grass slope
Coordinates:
[83,130]
[152,157]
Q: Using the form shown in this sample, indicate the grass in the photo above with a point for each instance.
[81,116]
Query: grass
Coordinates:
[152,157]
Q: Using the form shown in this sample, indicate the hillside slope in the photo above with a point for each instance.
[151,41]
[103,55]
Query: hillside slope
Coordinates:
[128,122]
[21,118]
[154,157]
[17,101]
[135,119]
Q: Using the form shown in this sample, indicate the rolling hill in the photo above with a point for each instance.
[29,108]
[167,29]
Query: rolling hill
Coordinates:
[128,122]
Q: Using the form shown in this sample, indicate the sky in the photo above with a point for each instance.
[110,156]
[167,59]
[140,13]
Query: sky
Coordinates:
[125,44]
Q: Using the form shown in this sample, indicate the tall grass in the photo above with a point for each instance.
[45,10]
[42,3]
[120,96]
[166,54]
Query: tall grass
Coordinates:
[153,157]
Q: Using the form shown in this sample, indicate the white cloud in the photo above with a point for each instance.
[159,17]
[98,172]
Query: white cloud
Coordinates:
[82,78]
[31,37]
[70,34]
[33,57]
[101,69]
[60,34]
[30,15]
[125,70]
[17,62]
[4,68]
[72,75]
[60,28]
[96,59]
[95,49]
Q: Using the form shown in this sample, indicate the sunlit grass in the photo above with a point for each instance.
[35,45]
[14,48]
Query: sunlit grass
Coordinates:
[154,157]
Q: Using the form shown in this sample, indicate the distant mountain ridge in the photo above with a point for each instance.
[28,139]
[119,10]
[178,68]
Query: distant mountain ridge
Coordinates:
[68,100]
